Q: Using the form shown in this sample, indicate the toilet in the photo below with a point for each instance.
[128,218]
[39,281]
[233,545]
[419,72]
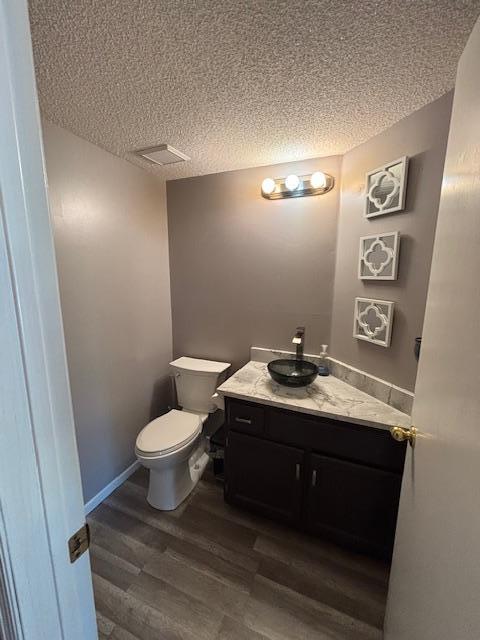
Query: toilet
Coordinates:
[173,446]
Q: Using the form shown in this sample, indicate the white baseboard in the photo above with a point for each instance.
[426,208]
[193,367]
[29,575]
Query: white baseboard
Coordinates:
[110,488]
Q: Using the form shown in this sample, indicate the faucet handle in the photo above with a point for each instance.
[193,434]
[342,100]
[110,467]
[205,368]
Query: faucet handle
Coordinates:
[299,335]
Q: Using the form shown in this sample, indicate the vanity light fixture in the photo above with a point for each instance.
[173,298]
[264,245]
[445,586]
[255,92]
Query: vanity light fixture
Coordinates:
[294,186]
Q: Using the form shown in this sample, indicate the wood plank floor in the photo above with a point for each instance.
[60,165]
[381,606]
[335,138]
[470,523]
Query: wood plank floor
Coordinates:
[208,571]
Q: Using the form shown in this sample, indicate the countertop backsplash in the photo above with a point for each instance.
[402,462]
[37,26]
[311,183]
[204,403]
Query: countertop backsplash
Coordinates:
[399,398]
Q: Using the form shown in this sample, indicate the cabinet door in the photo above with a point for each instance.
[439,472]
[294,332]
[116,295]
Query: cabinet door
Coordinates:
[264,476]
[353,504]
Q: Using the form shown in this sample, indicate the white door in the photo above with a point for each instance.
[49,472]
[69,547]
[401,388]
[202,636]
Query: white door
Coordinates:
[435,581]
[43,596]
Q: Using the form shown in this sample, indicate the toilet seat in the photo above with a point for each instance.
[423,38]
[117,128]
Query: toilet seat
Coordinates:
[168,433]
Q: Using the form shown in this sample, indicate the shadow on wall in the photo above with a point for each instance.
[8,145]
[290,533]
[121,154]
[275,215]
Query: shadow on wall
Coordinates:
[415,164]
[162,397]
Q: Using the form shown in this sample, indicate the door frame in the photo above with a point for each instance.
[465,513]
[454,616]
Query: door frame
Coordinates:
[42,594]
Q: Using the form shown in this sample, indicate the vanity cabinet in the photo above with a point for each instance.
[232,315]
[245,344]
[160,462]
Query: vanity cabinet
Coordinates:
[353,504]
[328,477]
[265,476]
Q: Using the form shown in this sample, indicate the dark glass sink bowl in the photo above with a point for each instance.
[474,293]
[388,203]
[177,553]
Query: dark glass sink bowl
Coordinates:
[293,373]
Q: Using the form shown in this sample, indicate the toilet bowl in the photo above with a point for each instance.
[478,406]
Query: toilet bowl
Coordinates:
[173,449]
[173,446]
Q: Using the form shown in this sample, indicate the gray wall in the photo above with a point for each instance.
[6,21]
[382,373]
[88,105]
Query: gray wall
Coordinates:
[111,241]
[245,270]
[422,136]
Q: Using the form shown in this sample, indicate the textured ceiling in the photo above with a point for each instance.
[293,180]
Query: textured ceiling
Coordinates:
[236,84]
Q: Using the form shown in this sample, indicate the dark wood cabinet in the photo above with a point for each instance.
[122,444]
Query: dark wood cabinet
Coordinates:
[264,476]
[353,503]
[328,477]
[368,445]
[246,417]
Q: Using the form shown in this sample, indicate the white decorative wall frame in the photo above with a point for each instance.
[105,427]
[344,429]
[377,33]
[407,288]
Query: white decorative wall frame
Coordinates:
[386,188]
[378,256]
[373,321]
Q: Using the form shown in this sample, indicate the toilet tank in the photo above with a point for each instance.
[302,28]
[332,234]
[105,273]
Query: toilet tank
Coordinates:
[196,381]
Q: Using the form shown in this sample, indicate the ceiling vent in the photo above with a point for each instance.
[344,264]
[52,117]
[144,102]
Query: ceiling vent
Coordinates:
[163,154]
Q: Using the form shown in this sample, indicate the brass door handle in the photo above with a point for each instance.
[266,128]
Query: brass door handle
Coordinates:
[400,434]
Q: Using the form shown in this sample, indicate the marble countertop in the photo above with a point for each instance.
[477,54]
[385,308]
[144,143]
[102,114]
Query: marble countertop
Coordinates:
[327,396]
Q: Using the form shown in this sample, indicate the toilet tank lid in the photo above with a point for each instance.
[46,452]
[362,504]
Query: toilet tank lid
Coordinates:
[200,366]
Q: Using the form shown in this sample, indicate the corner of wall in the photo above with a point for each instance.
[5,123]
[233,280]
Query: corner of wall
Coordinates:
[422,136]
[337,241]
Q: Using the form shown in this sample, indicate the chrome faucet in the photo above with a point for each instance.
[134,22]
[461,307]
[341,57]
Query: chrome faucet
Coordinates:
[298,341]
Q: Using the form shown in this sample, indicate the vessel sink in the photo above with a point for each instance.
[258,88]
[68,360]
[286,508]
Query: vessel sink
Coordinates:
[293,373]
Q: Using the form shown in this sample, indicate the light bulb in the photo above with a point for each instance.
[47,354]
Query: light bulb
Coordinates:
[292,181]
[318,180]
[268,186]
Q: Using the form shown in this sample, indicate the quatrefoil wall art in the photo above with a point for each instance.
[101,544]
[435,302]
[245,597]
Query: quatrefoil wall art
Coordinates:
[386,188]
[373,320]
[378,256]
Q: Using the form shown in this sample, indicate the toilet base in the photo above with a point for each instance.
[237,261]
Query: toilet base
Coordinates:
[169,487]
